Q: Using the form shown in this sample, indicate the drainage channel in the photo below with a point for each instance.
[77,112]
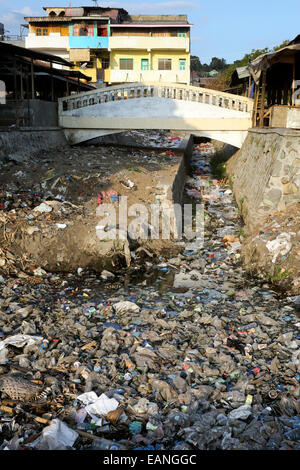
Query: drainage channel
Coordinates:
[184,353]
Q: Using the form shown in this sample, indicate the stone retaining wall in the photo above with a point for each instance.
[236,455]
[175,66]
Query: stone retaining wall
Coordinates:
[265,173]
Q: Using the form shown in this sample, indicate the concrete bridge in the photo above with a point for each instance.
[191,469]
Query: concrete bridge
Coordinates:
[200,111]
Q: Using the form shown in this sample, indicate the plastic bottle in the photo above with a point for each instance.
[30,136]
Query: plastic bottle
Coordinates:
[105,444]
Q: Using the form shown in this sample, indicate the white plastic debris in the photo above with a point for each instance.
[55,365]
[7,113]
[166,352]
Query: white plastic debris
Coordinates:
[39,272]
[81,414]
[243,412]
[17,340]
[61,225]
[31,230]
[125,307]
[42,208]
[280,246]
[57,436]
[88,398]
[235,246]
[20,340]
[107,275]
[102,406]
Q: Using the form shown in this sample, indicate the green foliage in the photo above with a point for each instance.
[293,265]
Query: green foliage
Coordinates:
[217,164]
[279,274]
[242,233]
[132,168]
[215,64]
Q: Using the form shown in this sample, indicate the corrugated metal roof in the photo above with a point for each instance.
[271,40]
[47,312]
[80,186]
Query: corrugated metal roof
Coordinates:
[243,72]
[296,40]
[10,49]
[48,19]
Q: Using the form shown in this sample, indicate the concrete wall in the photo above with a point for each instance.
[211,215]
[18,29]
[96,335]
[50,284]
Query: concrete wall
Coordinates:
[18,144]
[285,116]
[157,107]
[148,43]
[265,172]
[44,113]
[36,113]
[53,41]
[183,170]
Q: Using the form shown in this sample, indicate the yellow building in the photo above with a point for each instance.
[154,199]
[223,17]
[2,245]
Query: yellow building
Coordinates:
[111,46]
[150,49]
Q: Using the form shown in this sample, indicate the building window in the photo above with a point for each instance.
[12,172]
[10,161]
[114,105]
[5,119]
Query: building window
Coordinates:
[164,64]
[126,64]
[102,31]
[105,63]
[90,30]
[145,64]
[42,31]
[182,63]
[83,30]
[76,29]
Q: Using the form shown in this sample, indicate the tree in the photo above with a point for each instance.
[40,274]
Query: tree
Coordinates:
[218,64]
[195,64]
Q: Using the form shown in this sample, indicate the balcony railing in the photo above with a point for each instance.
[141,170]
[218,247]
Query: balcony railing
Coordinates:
[148,43]
[148,90]
[166,76]
[53,41]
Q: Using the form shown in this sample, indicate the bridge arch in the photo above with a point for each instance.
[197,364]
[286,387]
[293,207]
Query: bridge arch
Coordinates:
[156,106]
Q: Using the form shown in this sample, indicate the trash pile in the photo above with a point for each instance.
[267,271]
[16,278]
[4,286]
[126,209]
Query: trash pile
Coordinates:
[159,139]
[188,353]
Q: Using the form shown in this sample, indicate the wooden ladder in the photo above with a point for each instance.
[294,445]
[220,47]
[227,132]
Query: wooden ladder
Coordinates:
[259,113]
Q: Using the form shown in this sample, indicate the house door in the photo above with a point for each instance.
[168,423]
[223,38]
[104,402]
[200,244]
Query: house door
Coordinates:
[145,64]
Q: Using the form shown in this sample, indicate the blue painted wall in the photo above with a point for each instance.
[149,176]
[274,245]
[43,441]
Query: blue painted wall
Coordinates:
[87,42]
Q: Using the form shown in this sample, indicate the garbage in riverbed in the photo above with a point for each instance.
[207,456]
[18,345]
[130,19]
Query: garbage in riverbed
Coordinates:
[184,353]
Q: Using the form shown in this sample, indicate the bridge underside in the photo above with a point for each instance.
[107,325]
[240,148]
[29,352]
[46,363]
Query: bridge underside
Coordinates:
[77,136]
[219,123]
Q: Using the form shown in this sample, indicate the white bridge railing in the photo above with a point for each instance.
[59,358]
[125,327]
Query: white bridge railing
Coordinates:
[161,90]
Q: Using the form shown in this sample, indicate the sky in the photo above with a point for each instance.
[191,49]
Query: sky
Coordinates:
[225,29]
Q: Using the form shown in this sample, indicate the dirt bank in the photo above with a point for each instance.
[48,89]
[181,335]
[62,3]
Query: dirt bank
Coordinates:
[49,204]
